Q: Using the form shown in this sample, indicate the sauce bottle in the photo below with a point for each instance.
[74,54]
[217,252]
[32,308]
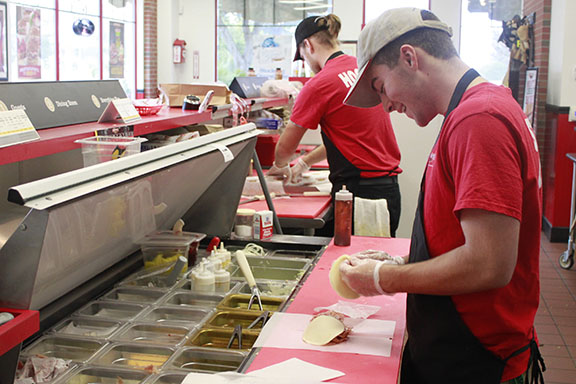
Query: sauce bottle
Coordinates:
[343,217]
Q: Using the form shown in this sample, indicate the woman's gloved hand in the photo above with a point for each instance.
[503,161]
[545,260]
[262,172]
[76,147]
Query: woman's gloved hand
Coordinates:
[362,275]
[283,172]
[297,170]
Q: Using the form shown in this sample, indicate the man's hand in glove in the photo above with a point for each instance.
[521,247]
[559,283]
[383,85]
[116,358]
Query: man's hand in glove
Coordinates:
[297,170]
[363,275]
[283,172]
[380,255]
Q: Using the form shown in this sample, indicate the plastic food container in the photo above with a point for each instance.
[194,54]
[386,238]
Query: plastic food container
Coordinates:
[194,239]
[244,223]
[99,149]
[164,252]
[202,360]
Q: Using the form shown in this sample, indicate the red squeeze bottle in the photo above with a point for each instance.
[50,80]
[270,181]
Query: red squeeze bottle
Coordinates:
[343,217]
[213,244]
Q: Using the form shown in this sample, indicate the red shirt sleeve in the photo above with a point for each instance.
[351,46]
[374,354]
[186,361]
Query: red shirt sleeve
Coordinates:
[309,107]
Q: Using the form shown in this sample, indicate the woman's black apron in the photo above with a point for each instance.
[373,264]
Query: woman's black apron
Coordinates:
[440,347]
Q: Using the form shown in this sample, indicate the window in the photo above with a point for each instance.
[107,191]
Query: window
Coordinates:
[481,26]
[375,8]
[260,34]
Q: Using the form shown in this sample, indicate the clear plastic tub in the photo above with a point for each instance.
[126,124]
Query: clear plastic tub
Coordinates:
[193,299]
[164,251]
[99,149]
[193,237]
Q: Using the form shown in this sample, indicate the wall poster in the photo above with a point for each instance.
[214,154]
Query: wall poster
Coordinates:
[116,50]
[530,93]
[3,42]
[29,42]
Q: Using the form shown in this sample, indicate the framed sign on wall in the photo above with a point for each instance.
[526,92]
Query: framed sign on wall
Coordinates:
[530,86]
[3,42]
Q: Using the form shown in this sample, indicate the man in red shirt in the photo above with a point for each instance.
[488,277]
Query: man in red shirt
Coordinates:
[359,143]
[472,277]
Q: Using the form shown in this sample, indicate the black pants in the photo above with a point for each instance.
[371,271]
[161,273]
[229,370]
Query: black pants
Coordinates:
[389,191]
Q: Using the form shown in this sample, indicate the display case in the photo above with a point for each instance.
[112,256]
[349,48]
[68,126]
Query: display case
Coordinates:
[75,257]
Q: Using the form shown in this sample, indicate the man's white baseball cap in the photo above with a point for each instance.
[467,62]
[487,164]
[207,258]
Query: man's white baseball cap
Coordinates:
[378,33]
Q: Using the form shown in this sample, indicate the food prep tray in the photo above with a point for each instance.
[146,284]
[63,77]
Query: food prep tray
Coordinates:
[239,301]
[167,378]
[267,273]
[206,360]
[136,356]
[152,334]
[111,310]
[232,318]
[293,253]
[78,350]
[156,278]
[136,295]
[278,262]
[105,375]
[87,327]
[187,285]
[271,288]
[219,338]
[189,317]
[193,299]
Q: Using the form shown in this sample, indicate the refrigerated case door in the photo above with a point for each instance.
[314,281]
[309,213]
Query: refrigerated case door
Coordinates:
[82,222]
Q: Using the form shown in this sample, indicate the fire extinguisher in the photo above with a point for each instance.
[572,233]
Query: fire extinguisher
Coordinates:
[179,51]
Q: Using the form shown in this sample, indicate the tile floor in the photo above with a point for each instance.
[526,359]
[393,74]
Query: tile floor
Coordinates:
[556,317]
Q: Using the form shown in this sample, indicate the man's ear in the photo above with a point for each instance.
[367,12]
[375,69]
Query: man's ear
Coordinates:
[408,56]
[308,44]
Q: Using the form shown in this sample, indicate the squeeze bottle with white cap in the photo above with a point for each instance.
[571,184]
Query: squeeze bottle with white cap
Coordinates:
[343,217]
[204,280]
[224,254]
[222,280]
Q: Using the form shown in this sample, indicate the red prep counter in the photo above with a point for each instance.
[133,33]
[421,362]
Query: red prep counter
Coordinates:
[317,292]
[12,334]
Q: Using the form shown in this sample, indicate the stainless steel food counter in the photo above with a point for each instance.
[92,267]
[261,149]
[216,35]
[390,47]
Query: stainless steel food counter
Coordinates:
[75,257]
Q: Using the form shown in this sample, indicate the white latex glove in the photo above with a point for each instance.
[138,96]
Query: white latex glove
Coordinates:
[362,276]
[297,170]
[284,171]
[379,255]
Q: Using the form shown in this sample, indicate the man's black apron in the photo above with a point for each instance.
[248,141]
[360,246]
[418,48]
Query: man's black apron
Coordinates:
[440,347]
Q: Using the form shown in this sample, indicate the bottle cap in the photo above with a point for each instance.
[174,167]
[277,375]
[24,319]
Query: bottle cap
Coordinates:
[344,194]
[204,277]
